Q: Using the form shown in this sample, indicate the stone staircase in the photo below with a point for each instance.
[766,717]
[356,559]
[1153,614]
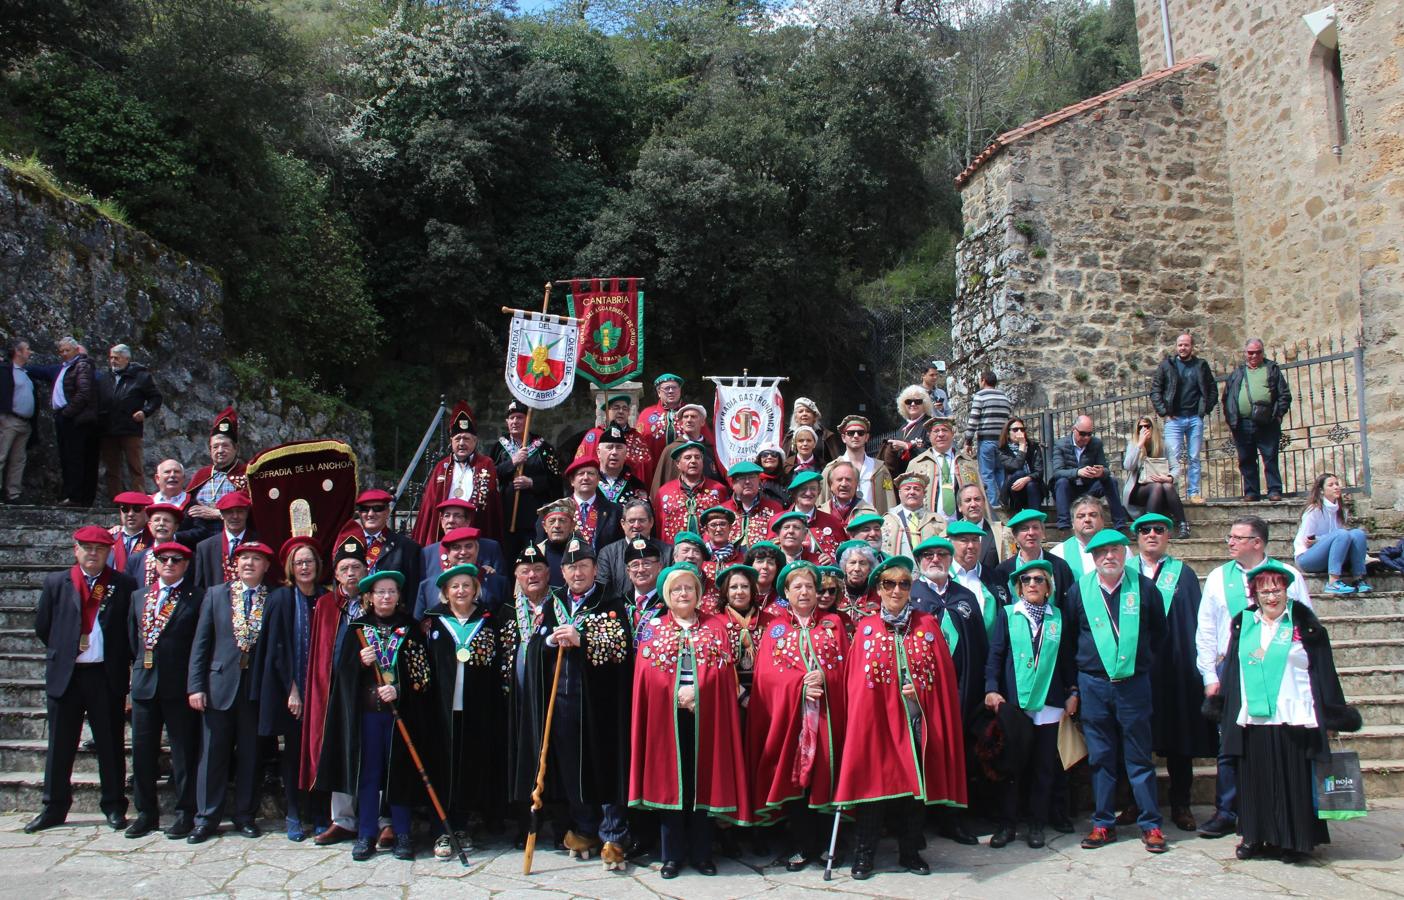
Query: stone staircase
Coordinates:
[1367,635]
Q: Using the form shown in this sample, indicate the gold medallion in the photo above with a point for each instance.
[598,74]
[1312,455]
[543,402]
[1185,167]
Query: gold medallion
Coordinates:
[462,654]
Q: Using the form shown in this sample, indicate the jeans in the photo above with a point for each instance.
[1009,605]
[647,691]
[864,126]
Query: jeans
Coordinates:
[1253,441]
[1179,431]
[1336,552]
[1116,721]
[991,472]
[1066,490]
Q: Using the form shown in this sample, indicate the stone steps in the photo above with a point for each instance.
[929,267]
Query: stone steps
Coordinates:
[1371,680]
[1359,627]
[51,557]
[27,754]
[22,665]
[24,722]
[18,640]
[22,692]
[23,790]
[1368,652]
[1384,709]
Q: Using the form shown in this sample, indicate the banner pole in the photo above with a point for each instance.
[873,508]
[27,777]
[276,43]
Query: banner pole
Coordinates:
[526,430]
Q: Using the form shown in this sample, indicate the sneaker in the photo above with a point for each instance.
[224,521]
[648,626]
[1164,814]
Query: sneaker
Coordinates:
[443,847]
[1154,839]
[1362,587]
[1098,837]
[1218,826]
[1197,499]
[1339,587]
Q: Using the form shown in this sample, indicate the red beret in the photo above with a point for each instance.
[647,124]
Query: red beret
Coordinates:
[457,503]
[254,547]
[132,498]
[461,534]
[581,462]
[291,544]
[234,500]
[93,534]
[171,547]
[166,508]
[375,495]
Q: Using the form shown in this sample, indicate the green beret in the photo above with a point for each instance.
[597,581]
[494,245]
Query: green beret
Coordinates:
[802,479]
[781,519]
[834,571]
[748,571]
[450,574]
[691,537]
[680,568]
[1026,515]
[1043,564]
[847,545]
[768,546]
[862,521]
[687,445]
[892,562]
[610,400]
[744,467]
[931,545]
[365,584]
[1272,566]
[1152,519]
[1107,537]
[964,529]
[709,511]
[667,376]
[799,565]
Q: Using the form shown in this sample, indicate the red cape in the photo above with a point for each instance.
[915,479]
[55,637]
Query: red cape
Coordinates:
[640,458]
[757,525]
[326,617]
[776,713]
[655,780]
[826,532]
[670,506]
[880,757]
[488,518]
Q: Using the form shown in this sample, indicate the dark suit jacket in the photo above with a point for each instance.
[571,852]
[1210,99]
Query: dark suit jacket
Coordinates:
[608,523]
[208,570]
[167,678]
[611,572]
[58,621]
[214,659]
[1066,463]
[1062,579]
[134,390]
[400,555]
[493,590]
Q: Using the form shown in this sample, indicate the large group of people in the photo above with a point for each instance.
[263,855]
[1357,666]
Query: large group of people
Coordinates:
[700,654]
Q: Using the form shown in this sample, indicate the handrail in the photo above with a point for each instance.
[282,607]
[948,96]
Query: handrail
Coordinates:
[423,446]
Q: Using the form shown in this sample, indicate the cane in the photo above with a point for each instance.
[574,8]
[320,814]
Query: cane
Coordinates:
[536,801]
[418,763]
[833,847]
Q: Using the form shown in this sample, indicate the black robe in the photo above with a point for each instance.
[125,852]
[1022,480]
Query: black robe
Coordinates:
[340,766]
[971,649]
[275,665]
[542,466]
[472,771]
[1063,579]
[1177,689]
[524,695]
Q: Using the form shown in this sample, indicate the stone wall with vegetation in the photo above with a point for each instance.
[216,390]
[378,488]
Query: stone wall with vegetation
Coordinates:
[1090,244]
[67,269]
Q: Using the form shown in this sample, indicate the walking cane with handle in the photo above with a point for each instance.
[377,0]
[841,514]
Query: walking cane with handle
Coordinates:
[540,789]
[418,763]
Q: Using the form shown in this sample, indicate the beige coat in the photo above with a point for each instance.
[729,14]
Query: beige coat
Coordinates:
[921,524]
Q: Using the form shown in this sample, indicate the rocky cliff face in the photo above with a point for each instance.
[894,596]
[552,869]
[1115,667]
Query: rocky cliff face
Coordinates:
[65,269]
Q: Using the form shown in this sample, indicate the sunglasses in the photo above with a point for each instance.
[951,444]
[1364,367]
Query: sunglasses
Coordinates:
[1083,433]
[829,590]
[888,584]
[130,509]
[170,559]
[1013,428]
[856,433]
[1152,529]
[1033,579]
[373,507]
[912,402]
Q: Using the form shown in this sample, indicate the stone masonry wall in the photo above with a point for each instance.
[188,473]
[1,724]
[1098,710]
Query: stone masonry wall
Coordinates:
[66,270]
[1090,244]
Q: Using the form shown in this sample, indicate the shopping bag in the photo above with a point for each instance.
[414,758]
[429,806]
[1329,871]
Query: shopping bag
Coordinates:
[1072,746]
[1340,788]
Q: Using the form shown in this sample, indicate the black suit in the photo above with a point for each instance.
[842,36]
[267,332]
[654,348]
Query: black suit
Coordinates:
[1068,485]
[609,517]
[1062,579]
[208,570]
[218,670]
[400,554]
[612,572]
[77,689]
[159,699]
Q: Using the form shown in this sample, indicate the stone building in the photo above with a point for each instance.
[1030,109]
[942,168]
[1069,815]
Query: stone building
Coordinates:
[1254,186]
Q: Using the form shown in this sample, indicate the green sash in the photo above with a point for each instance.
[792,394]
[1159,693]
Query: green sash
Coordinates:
[1118,651]
[462,634]
[949,630]
[1168,579]
[1235,592]
[1033,672]
[991,609]
[1262,670]
[1072,555]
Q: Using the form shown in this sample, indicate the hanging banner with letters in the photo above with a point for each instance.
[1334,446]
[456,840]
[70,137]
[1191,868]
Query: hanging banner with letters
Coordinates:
[748,414]
[611,314]
[541,351]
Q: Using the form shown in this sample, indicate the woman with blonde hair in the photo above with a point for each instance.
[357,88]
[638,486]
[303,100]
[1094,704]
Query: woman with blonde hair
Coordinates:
[914,410]
[1149,483]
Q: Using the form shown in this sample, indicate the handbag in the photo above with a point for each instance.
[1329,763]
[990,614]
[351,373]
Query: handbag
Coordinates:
[1260,411]
[1153,466]
[1072,746]
[1339,787]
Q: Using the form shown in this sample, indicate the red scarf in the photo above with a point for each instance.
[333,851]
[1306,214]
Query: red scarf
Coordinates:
[91,600]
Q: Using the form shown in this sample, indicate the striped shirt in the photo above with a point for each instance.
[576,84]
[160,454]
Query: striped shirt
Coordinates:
[990,409]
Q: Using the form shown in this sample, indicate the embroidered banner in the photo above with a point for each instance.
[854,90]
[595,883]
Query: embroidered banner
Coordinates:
[303,488]
[748,414]
[611,314]
[541,354]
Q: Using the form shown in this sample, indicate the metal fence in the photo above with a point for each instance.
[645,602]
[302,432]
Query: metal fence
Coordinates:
[1324,430]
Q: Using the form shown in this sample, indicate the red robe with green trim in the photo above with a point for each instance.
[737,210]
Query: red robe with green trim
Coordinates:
[881,756]
[775,716]
[655,779]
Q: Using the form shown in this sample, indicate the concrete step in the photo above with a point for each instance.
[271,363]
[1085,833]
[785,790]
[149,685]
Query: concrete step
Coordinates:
[22,665]
[40,534]
[57,516]
[23,723]
[19,640]
[26,575]
[1383,778]
[1368,652]
[1375,603]
[53,556]
[23,791]
[23,692]
[1371,680]
[1376,742]
[1385,709]
[27,754]
[1349,627]
[14,616]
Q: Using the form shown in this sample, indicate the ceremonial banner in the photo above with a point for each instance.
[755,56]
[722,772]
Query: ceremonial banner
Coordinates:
[610,311]
[748,414]
[303,488]
[541,351]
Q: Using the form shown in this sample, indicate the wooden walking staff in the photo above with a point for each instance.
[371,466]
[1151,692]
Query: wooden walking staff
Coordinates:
[526,429]
[540,789]
[418,763]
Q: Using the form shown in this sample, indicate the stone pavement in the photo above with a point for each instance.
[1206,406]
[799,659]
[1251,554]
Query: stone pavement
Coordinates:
[86,858]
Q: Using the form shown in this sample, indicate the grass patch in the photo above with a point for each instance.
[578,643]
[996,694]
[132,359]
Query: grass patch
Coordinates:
[251,371]
[32,168]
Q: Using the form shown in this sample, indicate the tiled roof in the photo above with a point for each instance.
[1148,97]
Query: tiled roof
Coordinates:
[1068,112]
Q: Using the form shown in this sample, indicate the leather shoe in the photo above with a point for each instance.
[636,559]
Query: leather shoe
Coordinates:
[1061,824]
[201,833]
[960,834]
[336,834]
[1001,837]
[671,869]
[708,867]
[117,820]
[1245,850]
[181,828]
[797,863]
[913,863]
[1274,497]
[1099,837]
[1035,837]
[249,830]
[862,866]
[637,850]
[1154,839]
[386,839]
[363,849]
[404,847]
[141,826]
[1217,827]
[1183,818]
[45,819]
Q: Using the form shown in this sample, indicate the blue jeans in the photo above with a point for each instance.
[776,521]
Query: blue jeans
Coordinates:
[1116,721]
[1337,552]
[1179,431]
[377,731]
[991,472]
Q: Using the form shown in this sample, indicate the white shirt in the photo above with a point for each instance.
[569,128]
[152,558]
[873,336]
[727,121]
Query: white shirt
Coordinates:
[1316,523]
[1211,637]
[1295,705]
[865,476]
[463,474]
[970,580]
[1048,715]
[94,652]
[1084,558]
[177,500]
[58,400]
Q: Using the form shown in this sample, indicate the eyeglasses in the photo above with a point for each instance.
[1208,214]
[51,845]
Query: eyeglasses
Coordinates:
[1083,433]
[1014,428]
[1270,592]
[829,590]
[130,509]
[1253,352]
[1033,579]
[386,593]
[1235,538]
[912,402]
[1152,529]
[889,584]
[170,559]
[373,508]
[855,433]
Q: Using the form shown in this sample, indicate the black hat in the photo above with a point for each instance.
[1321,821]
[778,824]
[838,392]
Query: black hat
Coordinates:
[613,434]
[530,555]
[516,406]
[350,548]
[641,548]
[577,550]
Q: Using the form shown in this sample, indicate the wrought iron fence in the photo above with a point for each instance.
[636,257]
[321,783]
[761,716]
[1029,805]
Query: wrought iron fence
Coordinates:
[1325,429]
[432,448]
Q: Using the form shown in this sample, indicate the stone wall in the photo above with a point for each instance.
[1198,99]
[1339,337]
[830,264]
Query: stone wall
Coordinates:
[1089,245]
[64,269]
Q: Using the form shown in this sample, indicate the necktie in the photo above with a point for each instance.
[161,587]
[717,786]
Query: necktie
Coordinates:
[248,601]
[947,495]
[162,597]
[234,543]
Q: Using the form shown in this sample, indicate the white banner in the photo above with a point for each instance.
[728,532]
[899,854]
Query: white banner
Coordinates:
[541,353]
[748,414]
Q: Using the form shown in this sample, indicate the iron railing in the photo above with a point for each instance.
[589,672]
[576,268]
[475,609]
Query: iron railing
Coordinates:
[1325,429]
[410,489]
